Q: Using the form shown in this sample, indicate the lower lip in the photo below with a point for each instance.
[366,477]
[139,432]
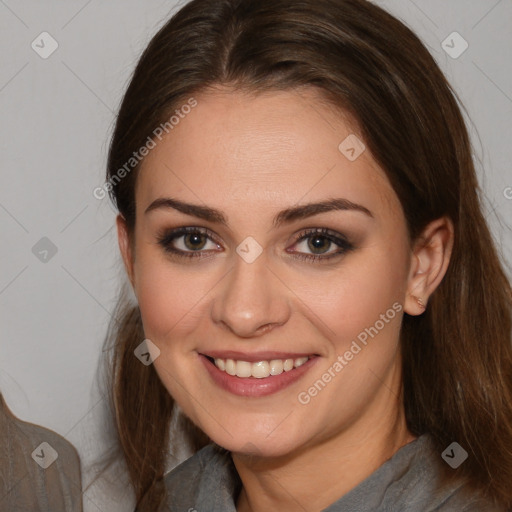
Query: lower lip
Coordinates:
[252,386]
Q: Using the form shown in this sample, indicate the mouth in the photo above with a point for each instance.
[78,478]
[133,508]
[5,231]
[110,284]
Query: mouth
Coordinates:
[258,369]
[261,376]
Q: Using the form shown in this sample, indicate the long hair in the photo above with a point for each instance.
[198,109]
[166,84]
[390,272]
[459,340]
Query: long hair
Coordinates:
[457,356]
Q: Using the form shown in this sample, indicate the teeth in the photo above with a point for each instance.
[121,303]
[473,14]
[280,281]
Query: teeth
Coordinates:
[230,367]
[259,370]
[276,367]
[243,369]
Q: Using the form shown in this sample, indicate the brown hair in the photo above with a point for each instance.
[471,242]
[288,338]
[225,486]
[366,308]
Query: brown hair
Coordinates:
[457,356]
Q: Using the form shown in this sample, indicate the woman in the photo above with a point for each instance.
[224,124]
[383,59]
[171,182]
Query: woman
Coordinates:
[317,288]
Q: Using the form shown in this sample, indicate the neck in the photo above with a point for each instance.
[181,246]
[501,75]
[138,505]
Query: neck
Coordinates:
[314,477]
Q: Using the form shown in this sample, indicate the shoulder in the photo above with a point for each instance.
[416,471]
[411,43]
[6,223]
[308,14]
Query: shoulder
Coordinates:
[38,465]
[414,479]
[33,436]
[427,488]
[30,440]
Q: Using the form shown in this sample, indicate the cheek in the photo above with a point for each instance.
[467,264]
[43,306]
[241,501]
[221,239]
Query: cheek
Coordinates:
[170,300]
[353,298]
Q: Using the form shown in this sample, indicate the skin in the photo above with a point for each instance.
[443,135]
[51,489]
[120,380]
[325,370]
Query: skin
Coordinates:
[251,157]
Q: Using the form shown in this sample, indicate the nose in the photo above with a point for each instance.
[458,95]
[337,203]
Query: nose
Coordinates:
[251,300]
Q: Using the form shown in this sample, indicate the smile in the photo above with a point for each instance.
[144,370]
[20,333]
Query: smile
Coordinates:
[259,369]
[264,375]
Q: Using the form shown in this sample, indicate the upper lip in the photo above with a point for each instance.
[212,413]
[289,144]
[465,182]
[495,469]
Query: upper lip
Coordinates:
[254,357]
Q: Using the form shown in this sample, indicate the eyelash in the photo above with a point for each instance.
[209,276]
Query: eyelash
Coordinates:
[166,238]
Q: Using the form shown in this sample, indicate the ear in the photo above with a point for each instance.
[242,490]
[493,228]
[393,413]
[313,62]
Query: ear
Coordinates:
[429,262]
[125,246]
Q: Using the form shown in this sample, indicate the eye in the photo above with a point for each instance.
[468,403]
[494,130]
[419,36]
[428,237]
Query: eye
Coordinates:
[194,242]
[322,243]
[189,242]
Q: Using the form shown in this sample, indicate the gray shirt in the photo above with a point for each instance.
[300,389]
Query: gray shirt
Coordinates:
[39,469]
[408,481]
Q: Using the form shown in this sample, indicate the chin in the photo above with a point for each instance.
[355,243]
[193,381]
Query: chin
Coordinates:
[258,445]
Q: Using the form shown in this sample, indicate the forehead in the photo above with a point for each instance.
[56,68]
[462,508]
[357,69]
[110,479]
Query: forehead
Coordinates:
[276,148]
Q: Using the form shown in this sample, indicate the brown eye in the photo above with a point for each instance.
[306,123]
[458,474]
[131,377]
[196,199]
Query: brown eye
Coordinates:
[188,242]
[195,241]
[319,244]
[316,244]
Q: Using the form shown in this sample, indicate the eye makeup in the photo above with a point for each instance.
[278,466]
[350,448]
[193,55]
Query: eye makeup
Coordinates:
[194,239]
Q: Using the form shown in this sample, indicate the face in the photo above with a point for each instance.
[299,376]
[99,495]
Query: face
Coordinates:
[277,320]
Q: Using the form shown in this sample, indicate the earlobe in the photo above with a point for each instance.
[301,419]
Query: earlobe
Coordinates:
[429,261]
[125,246]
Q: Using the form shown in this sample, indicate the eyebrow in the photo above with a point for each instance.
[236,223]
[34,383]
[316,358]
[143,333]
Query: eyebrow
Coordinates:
[283,217]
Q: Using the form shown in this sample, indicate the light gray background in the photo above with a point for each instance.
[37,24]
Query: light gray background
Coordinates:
[56,118]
